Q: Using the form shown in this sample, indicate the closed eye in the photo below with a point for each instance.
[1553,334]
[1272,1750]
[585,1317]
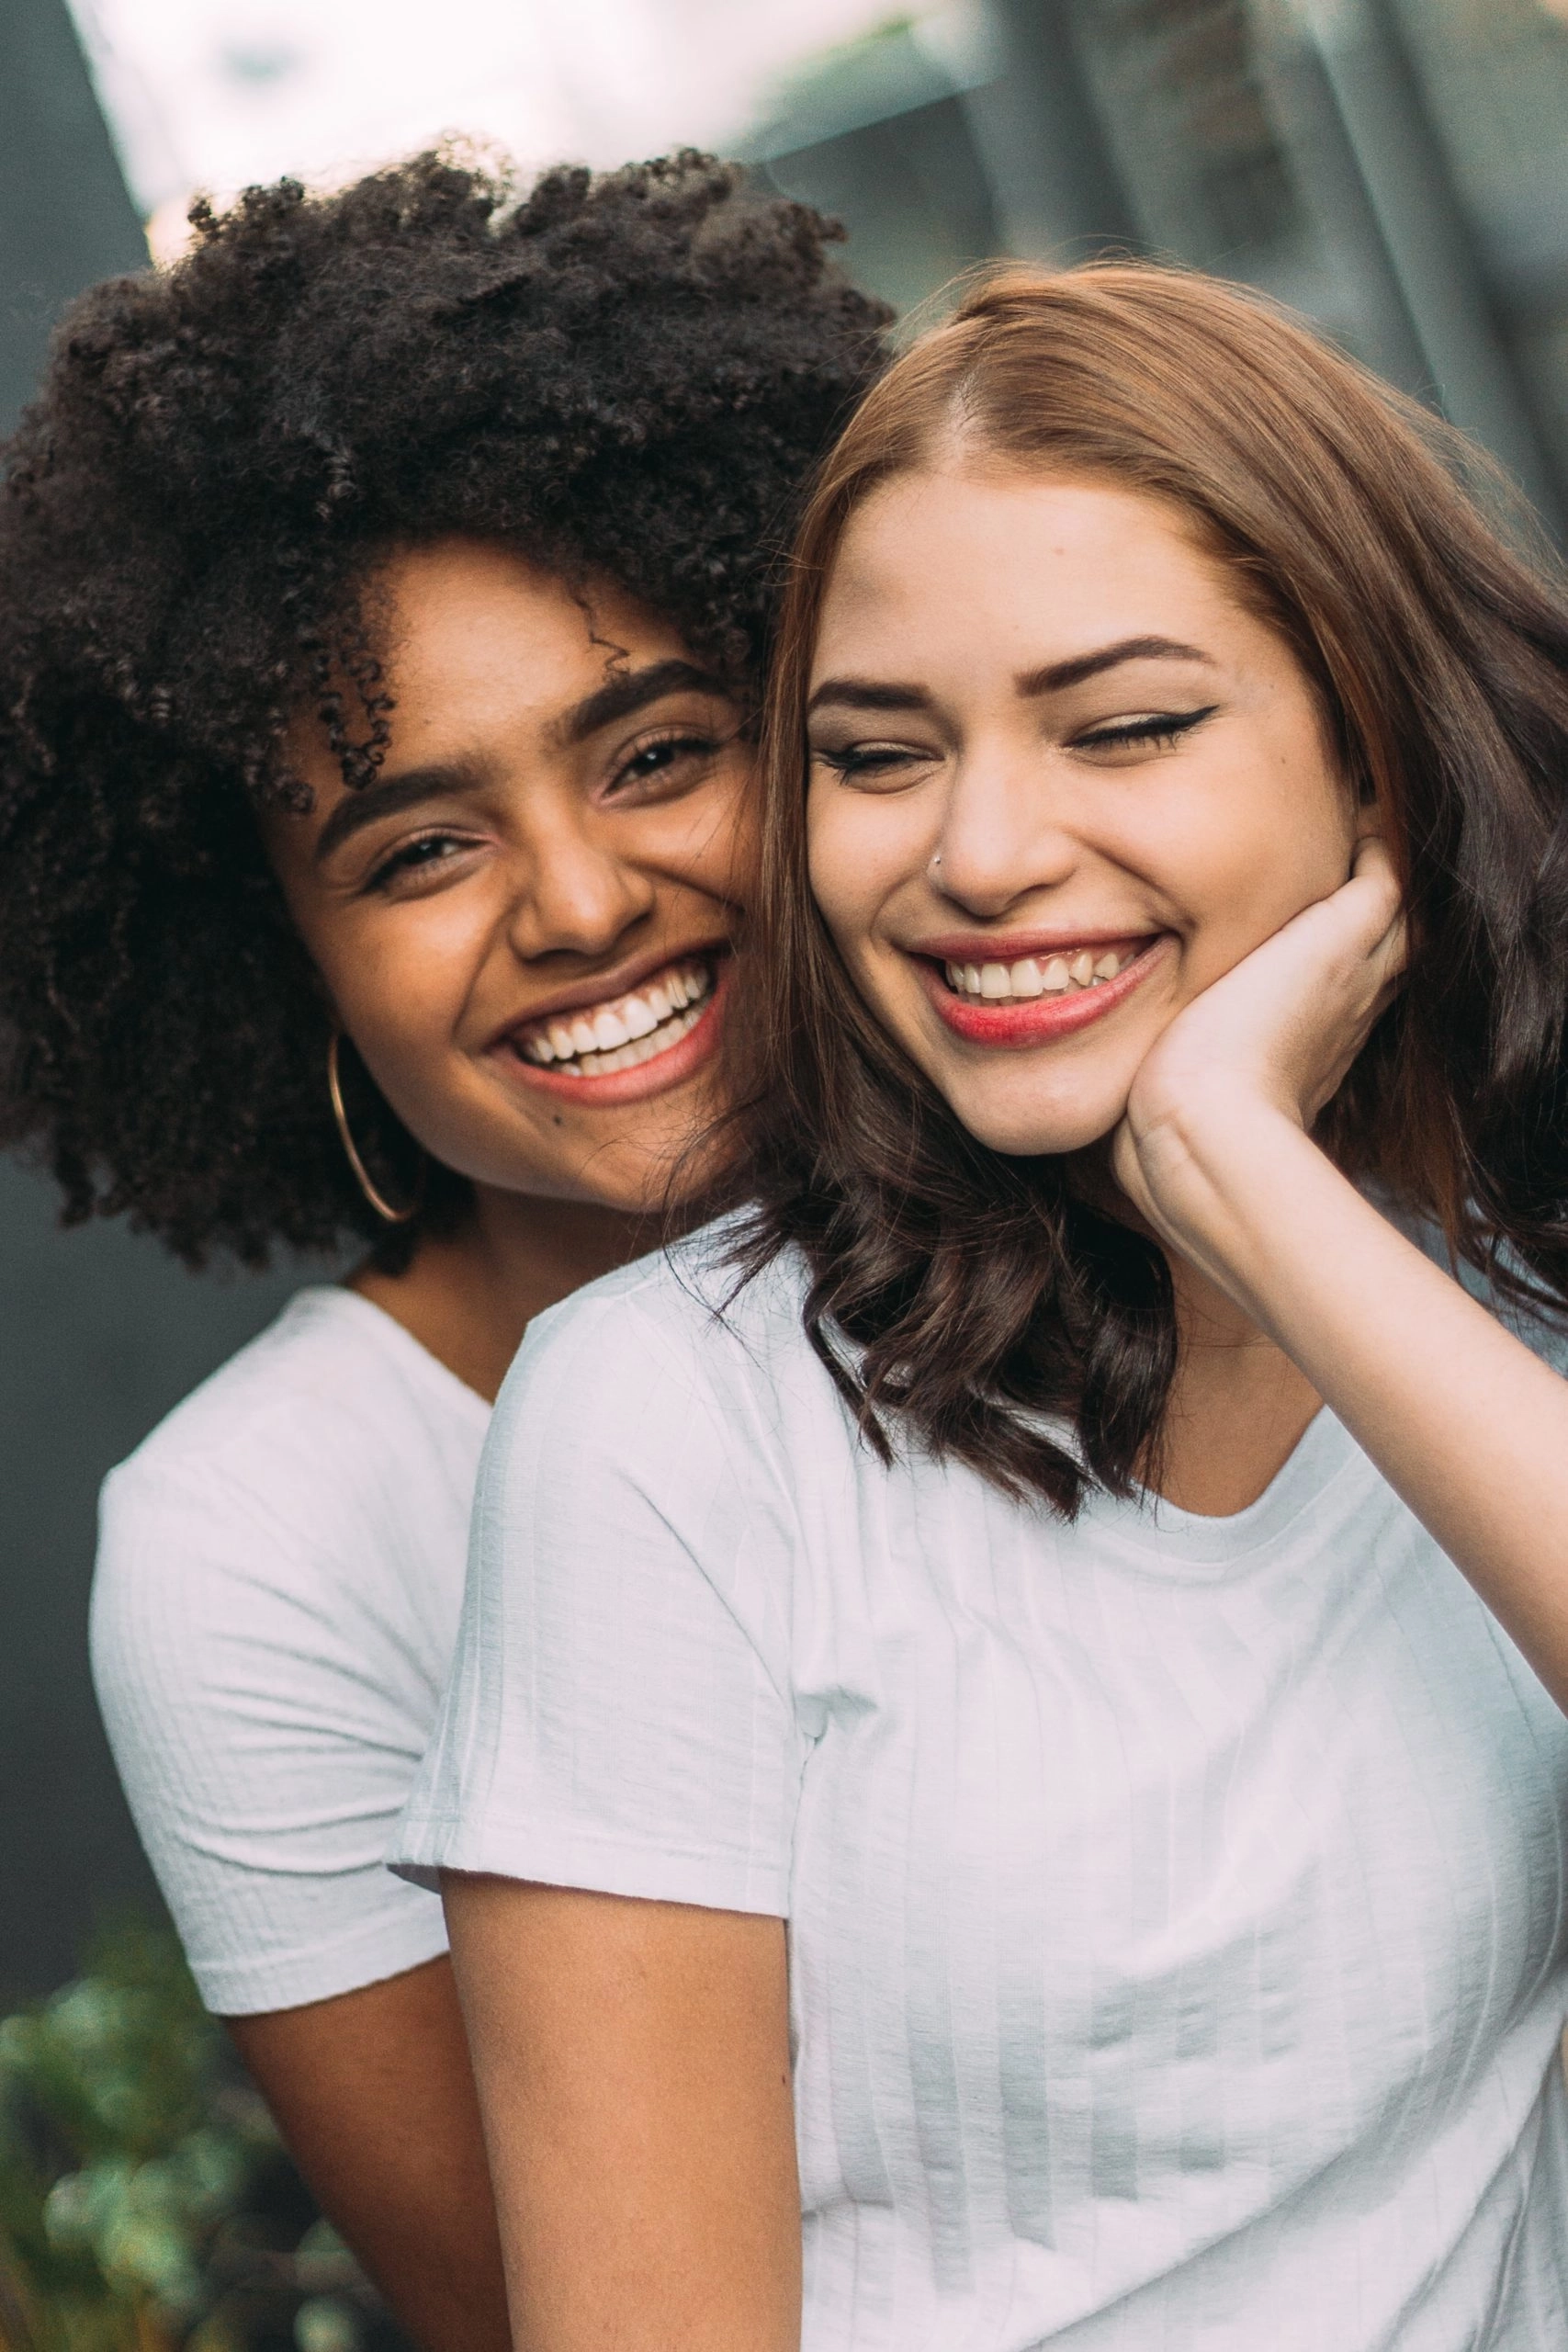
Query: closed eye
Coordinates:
[867,762]
[1158,730]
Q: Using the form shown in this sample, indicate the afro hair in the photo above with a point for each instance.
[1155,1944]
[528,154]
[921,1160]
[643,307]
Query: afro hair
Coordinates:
[627,377]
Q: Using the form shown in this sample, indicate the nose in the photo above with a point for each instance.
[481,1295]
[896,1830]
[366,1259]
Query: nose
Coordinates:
[1004,834]
[574,895]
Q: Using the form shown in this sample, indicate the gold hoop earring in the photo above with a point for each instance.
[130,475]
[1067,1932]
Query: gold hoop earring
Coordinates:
[366,1182]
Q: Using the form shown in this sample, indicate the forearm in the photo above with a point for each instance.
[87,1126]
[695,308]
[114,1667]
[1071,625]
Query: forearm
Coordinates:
[374,2094]
[1467,1425]
[632,2063]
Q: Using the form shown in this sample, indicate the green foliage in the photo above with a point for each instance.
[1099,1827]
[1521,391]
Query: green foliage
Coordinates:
[136,2173]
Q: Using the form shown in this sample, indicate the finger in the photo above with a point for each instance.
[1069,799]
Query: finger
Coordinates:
[1373,872]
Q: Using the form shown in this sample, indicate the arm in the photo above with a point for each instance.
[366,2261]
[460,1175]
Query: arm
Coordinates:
[374,2094]
[1464,1421]
[633,2072]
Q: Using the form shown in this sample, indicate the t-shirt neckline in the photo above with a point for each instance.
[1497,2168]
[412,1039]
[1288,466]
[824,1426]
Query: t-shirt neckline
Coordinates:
[431,1367]
[1159,1534]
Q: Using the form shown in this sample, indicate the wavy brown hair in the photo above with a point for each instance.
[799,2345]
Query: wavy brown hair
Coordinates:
[973,1298]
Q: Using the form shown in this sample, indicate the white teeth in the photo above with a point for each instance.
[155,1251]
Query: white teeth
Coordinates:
[996,983]
[620,1034]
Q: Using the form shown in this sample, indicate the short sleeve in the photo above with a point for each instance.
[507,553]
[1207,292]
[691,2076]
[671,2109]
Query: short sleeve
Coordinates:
[266,1725]
[620,1715]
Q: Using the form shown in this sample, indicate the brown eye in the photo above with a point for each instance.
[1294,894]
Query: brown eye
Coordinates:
[414,857]
[673,756]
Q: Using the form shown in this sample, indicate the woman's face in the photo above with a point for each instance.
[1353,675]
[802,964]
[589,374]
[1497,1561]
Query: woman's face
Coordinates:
[525,923]
[1061,780]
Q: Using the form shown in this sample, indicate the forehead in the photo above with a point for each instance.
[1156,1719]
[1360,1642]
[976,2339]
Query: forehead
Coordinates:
[964,552]
[474,638]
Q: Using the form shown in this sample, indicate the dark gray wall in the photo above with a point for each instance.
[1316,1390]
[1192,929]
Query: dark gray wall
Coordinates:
[99,1334]
[65,218]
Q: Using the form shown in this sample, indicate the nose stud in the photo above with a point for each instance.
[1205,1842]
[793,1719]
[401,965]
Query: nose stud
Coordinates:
[936,860]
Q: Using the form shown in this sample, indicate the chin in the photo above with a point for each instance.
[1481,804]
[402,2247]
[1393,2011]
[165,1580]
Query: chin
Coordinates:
[1033,1131]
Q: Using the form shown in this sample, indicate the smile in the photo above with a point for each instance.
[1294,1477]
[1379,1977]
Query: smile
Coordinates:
[1031,977]
[1029,1000]
[637,1042]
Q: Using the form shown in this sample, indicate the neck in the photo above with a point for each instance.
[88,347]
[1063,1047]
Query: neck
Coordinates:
[469,1296]
[1238,1406]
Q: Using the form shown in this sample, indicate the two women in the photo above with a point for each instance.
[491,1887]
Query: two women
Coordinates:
[1010,1700]
[384,593]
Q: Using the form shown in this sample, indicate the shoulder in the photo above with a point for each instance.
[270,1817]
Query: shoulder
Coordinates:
[329,1393]
[329,1458]
[666,1410]
[668,1348]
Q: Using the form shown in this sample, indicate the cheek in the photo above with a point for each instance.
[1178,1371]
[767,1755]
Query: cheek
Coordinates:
[856,859]
[1266,834]
[399,984]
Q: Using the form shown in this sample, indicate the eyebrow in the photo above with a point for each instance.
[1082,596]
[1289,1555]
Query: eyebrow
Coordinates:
[632,690]
[620,697]
[1055,677]
[867,693]
[368,804]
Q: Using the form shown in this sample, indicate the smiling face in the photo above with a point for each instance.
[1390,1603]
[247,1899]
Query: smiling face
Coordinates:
[1061,780]
[523,922]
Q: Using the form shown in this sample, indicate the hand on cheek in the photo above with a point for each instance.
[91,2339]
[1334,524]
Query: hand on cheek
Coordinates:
[1270,1041]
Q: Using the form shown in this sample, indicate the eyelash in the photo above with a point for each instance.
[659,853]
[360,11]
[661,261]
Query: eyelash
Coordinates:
[1167,726]
[406,859]
[701,747]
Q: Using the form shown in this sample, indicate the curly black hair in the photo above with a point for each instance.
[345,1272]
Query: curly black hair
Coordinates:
[628,375]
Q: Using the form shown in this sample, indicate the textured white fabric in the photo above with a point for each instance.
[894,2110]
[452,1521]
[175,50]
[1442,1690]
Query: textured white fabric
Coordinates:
[279,1575]
[1176,1905]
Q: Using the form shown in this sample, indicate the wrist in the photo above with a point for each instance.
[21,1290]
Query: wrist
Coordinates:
[1224,1182]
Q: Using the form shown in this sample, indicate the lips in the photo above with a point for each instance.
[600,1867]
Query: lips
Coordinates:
[1032,999]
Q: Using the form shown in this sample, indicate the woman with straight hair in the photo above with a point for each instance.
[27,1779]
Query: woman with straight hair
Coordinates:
[1009,1701]
[384,591]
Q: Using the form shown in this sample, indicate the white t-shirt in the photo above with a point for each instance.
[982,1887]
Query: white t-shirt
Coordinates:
[279,1578]
[1176,1905]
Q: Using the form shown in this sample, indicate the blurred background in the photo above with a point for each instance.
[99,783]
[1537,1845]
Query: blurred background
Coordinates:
[1397,168]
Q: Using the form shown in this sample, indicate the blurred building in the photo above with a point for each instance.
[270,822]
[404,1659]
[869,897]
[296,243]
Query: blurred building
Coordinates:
[1398,168]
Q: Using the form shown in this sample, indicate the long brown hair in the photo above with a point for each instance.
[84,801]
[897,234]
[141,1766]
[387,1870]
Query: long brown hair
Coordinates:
[971,1296]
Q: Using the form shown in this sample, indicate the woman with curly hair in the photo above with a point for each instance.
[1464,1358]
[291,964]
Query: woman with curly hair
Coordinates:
[383,593]
[1064,1667]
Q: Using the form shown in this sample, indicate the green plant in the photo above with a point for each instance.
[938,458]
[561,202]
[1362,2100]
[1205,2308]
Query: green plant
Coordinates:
[145,2203]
